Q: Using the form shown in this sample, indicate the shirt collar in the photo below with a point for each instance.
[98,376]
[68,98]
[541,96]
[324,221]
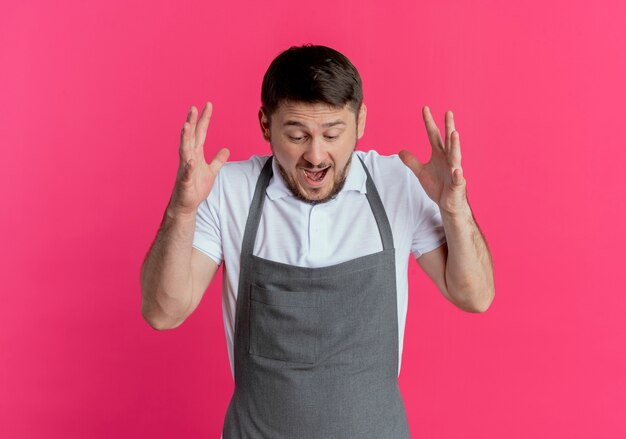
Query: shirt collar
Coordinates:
[355,181]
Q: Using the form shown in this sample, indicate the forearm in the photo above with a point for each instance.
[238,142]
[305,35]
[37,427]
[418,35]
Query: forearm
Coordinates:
[166,281]
[469,269]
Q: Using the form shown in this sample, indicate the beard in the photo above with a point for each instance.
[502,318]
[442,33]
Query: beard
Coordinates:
[338,182]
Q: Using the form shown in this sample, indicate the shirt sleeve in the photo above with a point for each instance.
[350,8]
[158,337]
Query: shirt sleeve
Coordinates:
[207,236]
[428,233]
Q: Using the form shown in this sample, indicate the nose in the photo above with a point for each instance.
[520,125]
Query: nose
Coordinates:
[314,153]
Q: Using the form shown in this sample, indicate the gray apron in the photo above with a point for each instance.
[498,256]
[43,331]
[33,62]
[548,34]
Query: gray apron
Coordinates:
[316,349]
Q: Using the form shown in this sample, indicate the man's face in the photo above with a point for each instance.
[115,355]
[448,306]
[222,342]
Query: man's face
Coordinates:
[312,145]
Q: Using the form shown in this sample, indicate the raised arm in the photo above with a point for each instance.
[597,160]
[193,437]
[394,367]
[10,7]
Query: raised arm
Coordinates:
[174,275]
[462,269]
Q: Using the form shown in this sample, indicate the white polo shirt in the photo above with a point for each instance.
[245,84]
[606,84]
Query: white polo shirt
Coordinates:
[316,235]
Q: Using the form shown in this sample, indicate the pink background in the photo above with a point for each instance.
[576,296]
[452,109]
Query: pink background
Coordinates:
[93,98]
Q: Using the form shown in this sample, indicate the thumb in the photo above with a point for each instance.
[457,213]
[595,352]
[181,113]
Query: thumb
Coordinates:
[458,179]
[411,161]
[219,159]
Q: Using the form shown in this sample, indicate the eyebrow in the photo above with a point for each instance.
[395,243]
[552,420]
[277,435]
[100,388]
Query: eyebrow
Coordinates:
[295,123]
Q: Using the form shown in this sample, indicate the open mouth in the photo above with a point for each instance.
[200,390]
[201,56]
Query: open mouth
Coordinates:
[315,178]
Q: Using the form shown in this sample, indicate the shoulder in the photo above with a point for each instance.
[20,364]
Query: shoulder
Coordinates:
[238,175]
[394,181]
[244,169]
[236,181]
[386,170]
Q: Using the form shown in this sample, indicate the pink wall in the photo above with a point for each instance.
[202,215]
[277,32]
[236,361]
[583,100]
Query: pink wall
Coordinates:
[93,98]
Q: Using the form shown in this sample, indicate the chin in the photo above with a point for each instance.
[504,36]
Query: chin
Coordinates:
[313,196]
[317,197]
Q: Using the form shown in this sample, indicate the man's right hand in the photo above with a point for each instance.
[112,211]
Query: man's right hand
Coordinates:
[195,176]
[174,275]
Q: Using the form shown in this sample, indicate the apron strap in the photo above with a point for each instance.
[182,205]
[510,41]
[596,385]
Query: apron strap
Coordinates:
[256,209]
[384,228]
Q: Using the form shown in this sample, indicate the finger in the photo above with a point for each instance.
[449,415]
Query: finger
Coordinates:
[219,159]
[184,150]
[192,117]
[449,127]
[411,161]
[454,152]
[434,136]
[203,124]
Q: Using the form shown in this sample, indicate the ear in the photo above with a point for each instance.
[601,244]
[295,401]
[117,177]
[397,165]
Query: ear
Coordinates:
[360,127]
[264,122]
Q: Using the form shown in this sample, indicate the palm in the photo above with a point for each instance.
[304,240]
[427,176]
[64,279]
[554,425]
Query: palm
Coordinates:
[441,177]
[195,176]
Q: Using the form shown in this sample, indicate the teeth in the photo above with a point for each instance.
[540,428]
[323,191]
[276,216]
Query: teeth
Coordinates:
[316,175]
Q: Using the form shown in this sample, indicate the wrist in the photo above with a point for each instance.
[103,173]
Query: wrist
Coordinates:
[180,205]
[457,215]
[176,213]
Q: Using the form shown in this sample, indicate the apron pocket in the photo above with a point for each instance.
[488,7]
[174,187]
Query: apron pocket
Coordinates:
[284,325]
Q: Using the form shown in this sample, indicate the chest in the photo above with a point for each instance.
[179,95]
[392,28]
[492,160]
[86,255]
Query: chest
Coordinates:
[318,235]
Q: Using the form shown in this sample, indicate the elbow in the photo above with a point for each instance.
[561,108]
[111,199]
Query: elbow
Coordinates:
[156,317]
[154,323]
[477,301]
[483,301]
[160,323]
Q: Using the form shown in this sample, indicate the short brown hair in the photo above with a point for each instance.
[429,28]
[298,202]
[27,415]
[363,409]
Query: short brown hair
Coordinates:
[311,74]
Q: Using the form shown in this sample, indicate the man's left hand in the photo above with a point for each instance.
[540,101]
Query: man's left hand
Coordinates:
[442,176]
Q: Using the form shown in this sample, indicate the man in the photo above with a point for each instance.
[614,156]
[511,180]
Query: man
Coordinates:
[315,242]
